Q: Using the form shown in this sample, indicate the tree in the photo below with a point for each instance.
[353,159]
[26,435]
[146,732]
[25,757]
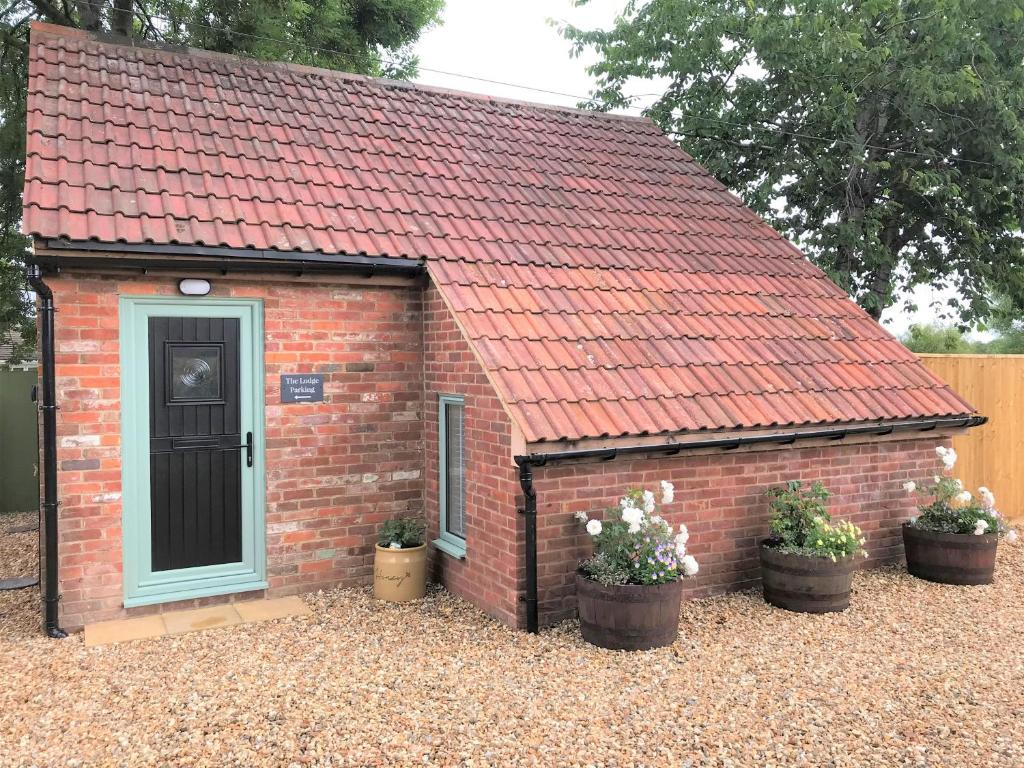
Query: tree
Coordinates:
[936,339]
[1004,322]
[366,36]
[1007,321]
[885,137]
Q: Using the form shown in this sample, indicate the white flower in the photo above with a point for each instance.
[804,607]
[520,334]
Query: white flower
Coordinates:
[1011,536]
[980,527]
[680,540]
[657,520]
[987,497]
[594,527]
[626,503]
[937,479]
[910,486]
[581,516]
[964,497]
[690,567]
[912,519]
[668,492]
[632,515]
[648,502]
[949,458]
[940,451]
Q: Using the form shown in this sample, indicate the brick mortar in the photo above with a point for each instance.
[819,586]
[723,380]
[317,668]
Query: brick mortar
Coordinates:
[334,471]
[490,577]
[720,498]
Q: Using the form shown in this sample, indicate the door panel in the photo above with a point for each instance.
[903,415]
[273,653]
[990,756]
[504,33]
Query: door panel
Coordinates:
[192,447]
[195,442]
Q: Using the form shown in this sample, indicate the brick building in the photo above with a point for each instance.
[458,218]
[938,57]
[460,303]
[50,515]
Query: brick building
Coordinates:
[293,303]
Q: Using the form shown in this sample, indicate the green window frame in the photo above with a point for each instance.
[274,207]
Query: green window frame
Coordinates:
[451,479]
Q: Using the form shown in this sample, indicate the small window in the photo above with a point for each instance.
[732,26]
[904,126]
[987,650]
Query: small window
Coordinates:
[451,420]
[194,373]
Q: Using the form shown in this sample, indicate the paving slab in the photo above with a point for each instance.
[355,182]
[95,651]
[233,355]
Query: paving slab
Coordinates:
[179,622]
[122,630]
[278,608]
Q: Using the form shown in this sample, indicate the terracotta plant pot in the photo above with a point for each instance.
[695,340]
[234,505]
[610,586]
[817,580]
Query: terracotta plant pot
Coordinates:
[805,584]
[629,617]
[400,575]
[950,558]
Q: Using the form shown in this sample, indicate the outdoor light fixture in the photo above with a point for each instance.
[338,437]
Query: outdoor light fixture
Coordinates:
[193,286]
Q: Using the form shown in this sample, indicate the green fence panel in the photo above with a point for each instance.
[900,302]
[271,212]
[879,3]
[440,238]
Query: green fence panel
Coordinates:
[19,442]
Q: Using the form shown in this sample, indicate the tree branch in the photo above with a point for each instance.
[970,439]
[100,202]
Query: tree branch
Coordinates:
[50,12]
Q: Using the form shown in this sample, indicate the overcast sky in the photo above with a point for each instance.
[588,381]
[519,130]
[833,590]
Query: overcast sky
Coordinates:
[512,43]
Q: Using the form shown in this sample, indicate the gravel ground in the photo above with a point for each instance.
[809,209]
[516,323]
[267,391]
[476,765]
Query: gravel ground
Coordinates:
[914,674]
[18,557]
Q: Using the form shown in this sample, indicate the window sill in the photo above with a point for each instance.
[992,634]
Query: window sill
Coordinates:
[458,551]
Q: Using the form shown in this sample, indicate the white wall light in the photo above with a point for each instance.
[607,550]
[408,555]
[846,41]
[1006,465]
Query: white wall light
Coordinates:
[193,286]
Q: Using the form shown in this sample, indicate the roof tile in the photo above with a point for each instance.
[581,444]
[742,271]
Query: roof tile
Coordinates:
[610,285]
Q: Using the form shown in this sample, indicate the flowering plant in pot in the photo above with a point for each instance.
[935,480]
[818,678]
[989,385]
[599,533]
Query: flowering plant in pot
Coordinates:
[629,591]
[954,538]
[400,560]
[807,562]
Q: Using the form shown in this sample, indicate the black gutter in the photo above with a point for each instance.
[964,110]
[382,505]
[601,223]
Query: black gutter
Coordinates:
[528,461]
[215,259]
[51,596]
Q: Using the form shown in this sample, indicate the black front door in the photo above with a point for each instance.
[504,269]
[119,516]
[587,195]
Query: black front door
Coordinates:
[196,448]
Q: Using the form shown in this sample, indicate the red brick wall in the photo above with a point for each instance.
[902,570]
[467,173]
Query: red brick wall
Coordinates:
[334,470]
[491,575]
[720,498]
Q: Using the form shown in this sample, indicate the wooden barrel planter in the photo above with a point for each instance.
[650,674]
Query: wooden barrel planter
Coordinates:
[806,584]
[950,558]
[628,617]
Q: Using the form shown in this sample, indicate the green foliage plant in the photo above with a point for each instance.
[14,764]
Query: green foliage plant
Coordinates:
[801,525]
[402,533]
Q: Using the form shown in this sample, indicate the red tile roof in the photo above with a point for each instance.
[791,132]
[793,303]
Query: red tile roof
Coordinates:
[609,284]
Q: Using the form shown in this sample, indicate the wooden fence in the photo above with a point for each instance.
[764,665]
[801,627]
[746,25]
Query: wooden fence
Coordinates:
[991,455]
[19,452]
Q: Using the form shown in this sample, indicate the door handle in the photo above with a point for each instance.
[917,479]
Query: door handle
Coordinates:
[248,448]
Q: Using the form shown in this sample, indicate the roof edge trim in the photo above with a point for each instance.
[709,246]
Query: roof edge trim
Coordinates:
[879,429]
[176,256]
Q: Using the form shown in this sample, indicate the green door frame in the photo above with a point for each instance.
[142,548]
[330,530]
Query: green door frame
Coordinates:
[141,585]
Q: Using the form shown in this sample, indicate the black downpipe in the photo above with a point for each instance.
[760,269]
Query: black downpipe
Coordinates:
[527,462]
[51,596]
[530,513]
